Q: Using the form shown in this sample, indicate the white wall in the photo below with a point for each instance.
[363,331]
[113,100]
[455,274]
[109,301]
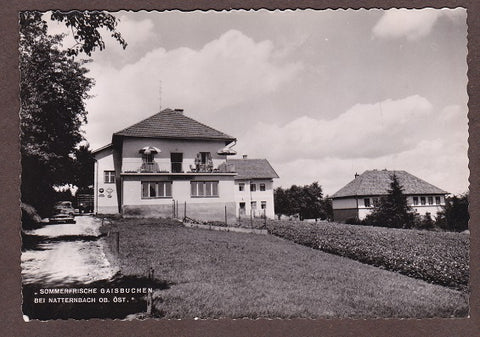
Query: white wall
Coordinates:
[424,209]
[349,203]
[105,202]
[132,190]
[344,203]
[132,159]
[248,196]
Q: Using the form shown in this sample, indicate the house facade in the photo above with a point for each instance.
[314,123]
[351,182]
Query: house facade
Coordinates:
[169,165]
[254,187]
[357,199]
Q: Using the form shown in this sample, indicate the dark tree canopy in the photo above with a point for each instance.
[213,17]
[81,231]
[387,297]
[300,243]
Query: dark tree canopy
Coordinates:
[392,209]
[454,216]
[53,89]
[85,29]
[83,165]
[305,201]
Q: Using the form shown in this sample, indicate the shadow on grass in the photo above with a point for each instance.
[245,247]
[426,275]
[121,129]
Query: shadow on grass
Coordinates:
[33,242]
[113,299]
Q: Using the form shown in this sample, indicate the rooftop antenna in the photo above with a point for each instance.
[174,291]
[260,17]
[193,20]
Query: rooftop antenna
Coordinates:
[160,95]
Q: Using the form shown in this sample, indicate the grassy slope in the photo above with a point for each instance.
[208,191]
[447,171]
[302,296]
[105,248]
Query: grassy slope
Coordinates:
[221,274]
[438,257]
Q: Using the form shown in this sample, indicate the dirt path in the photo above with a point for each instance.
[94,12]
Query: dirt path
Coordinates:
[79,257]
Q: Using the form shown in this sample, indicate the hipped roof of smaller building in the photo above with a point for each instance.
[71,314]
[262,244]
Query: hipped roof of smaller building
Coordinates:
[253,169]
[170,123]
[377,182]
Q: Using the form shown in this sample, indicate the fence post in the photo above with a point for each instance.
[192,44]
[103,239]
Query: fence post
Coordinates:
[251,217]
[116,242]
[185,211]
[151,272]
[225,214]
[173,209]
[265,216]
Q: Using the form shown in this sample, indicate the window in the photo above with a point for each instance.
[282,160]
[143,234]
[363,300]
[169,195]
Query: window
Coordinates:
[263,204]
[253,187]
[204,189]
[375,202]
[430,200]
[415,201]
[148,163]
[437,200]
[366,202]
[241,186]
[422,200]
[262,187]
[253,205]
[108,177]
[205,157]
[156,189]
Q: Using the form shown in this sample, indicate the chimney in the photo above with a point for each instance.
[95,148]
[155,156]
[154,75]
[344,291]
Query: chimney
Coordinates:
[179,111]
[356,175]
[244,156]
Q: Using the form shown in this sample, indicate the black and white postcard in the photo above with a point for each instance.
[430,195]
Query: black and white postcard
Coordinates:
[267,164]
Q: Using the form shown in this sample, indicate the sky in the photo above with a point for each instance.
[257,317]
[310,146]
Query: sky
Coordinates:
[321,94]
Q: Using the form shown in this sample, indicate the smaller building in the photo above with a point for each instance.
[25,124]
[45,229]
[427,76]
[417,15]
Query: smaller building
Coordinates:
[357,199]
[253,189]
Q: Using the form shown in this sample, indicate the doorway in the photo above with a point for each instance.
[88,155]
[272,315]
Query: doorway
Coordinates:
[176,159]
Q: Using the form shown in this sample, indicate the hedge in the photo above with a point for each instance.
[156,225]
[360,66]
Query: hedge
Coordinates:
[437,257]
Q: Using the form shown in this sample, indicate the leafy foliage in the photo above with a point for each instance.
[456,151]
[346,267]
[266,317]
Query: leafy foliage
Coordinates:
[437,257]
[307,201]
[83,164]
[454,216]
[392,210]
[85,28]
[53,89]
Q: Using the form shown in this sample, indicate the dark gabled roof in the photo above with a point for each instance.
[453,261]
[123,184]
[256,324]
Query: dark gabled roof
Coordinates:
[173,124]
[377,182]
[253,169]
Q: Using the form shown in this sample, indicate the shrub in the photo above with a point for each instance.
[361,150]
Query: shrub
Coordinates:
[30,217]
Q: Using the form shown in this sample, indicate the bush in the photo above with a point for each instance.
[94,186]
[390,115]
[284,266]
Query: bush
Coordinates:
[353,221]
[30,217]
[436,257]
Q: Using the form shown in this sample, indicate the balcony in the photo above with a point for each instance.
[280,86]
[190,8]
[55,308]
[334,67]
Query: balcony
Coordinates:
[176,168]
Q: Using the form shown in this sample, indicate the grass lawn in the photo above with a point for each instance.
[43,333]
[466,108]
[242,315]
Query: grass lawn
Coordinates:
[437,257]
[217,274]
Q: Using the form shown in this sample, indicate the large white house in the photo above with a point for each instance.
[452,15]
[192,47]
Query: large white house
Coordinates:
[171,165]
[356,199]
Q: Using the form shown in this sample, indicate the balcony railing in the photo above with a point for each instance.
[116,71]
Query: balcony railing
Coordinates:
[178,167]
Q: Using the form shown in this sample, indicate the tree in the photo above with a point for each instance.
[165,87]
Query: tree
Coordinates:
[454,216]
[307,201]
[314,203]
[280,202]
[392,209]
[83,164]
[53,90]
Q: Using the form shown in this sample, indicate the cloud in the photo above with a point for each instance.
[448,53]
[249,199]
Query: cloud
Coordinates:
[411,23]
[230,69]
[353,134]
[404,134]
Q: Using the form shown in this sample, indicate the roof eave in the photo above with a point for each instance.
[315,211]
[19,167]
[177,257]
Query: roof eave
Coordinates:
[228,138]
